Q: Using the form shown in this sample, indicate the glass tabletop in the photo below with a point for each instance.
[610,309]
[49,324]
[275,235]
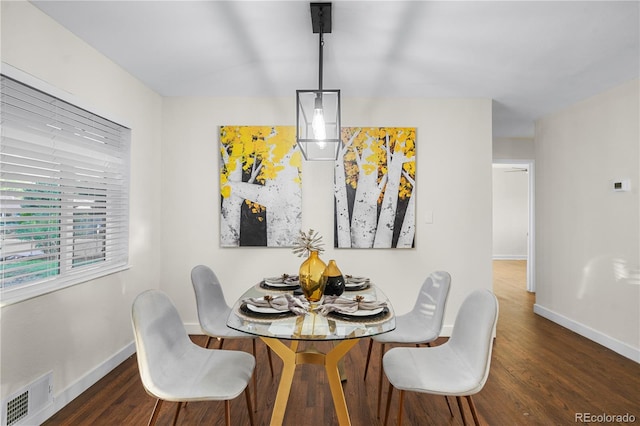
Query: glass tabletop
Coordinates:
[338,325]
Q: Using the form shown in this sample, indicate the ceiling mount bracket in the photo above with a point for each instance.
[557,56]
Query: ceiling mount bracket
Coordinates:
[321,18]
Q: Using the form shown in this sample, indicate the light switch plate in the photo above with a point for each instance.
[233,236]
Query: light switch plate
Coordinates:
[428,216]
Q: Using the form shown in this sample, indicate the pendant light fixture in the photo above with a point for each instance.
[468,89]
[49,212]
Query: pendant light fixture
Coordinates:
[318,112]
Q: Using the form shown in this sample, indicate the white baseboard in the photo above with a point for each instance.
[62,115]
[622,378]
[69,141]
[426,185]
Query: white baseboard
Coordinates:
[193,328]
[446,330]
[615,345]
[509,257]
[67,395]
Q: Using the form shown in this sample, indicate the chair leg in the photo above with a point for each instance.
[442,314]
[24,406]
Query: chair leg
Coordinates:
[208,342]
[400,407]
[382,345]
[175,417]
[366,366]
[270,362]
[248,398]
[227,412]
[255,376]
[386,414]
[154,413]
[221,342]
[464,419]
[446,398]
[472,406]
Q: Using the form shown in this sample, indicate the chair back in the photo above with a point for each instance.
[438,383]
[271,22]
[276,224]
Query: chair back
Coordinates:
[160,337]
[211,304]
[472,334]
[432,300]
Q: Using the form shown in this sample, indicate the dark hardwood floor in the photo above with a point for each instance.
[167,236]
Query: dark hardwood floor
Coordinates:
[541,374]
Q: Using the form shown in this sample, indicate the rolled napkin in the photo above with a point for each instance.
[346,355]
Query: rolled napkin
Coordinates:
[283,302]
[284,279]
[348,306]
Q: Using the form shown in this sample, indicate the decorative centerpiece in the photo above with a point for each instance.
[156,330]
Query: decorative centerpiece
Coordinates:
[312,281]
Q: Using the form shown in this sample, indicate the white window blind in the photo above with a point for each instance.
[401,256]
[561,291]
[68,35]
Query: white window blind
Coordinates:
[64,191]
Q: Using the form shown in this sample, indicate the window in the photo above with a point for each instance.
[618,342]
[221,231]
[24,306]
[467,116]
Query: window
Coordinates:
[64,193]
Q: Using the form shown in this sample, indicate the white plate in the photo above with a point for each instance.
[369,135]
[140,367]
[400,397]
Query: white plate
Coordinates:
[264,310]
[282,284]
[364,312]
[363,284]
[279,281]
[356,280]
[365,297]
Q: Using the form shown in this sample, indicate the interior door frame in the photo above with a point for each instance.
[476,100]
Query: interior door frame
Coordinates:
[531,244]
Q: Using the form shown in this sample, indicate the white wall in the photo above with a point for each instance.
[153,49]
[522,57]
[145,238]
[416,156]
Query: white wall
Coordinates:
[510,211]
[453,182]
[513,149]
[79,331]
[588,237]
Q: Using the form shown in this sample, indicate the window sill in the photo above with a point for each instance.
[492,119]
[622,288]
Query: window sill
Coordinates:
[11,296]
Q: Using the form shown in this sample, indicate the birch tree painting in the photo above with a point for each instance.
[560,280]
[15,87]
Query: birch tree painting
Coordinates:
[374,188]
[260,186]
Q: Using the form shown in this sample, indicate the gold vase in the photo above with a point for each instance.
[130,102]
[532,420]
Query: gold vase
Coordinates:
[311,280]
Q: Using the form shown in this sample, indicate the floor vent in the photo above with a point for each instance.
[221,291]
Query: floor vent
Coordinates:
[19,407]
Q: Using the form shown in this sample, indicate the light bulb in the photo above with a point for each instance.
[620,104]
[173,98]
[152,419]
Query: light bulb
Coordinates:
[318,126]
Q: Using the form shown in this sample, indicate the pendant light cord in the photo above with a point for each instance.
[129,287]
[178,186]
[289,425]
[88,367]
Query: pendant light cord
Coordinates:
[321,44]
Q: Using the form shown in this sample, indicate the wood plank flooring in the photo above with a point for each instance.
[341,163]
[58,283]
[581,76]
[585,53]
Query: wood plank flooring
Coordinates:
[541,374]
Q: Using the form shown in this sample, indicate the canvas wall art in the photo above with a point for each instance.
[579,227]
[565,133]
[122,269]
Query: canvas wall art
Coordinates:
[374,188]
[260,186]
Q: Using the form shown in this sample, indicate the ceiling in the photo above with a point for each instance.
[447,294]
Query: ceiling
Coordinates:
[531,58]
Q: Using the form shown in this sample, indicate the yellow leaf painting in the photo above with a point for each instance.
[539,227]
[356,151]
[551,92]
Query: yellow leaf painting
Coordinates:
[375,178]
[260,185]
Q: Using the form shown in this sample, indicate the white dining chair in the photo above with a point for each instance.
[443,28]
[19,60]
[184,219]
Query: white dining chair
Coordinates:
[421,325]
[458,367]
[173,368]
[213,312]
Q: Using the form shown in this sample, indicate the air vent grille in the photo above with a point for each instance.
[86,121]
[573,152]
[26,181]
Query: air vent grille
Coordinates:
[27,405]
[17,408]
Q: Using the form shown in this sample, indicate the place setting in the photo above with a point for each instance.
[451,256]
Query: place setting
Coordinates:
[272,307]
[356,308]
[284,282]
[356,283]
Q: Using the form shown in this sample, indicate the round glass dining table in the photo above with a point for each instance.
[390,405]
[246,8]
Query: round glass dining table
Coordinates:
[275,327]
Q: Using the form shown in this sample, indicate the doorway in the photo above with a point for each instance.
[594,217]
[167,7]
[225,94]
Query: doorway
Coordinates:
[513,214]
